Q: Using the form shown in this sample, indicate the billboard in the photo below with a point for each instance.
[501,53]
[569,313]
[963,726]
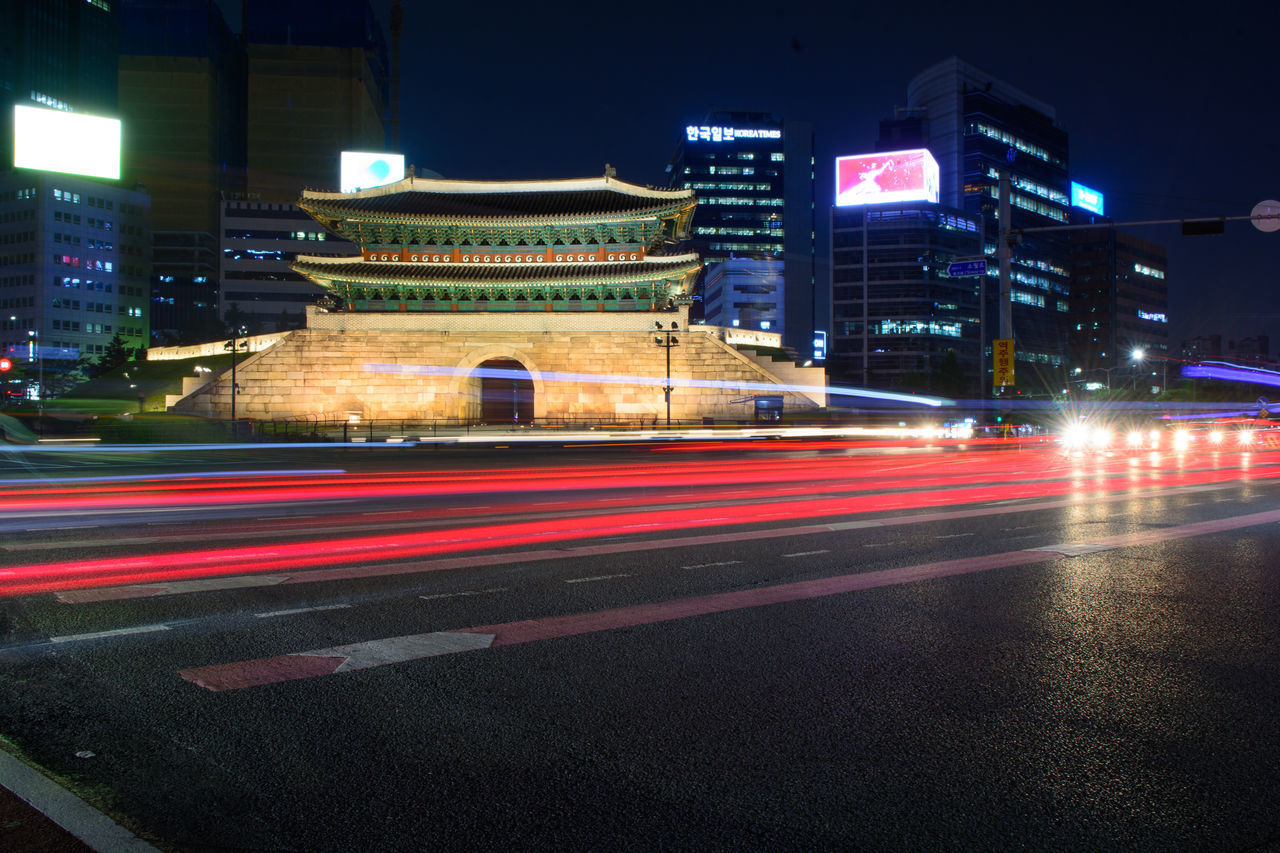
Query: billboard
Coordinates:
[886,177]
[74,143]
[1002,363]
[1086,199]
[362,170]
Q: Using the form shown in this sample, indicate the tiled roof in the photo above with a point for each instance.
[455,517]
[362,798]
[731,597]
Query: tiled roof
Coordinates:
[462,200]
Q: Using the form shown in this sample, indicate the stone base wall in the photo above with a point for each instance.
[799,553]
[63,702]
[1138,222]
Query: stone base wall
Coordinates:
[370,368]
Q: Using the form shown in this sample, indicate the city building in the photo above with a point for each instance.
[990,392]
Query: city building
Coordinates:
[182,97]
[74,267]
[978,127]
[217,119]
[318,84]
[745,293]
[899,320]
[1119,304]
[508,302]
[59,54]
[259,289]
[74,238]
[753,176]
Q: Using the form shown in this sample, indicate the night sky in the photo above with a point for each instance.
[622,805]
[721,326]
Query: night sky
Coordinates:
[1171,107]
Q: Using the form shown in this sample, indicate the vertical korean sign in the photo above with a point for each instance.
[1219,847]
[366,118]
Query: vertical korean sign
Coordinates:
[1002,356]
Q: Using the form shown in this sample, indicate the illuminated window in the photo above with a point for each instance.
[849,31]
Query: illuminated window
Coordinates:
[777,157]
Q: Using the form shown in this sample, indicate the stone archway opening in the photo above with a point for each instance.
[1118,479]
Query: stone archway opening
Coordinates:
[506,393]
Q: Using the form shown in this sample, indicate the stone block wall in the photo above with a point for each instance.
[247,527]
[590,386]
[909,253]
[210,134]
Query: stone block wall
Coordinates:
[376,368]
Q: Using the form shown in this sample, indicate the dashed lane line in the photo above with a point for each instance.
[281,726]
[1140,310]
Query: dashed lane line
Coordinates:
[117,632]
[271,614]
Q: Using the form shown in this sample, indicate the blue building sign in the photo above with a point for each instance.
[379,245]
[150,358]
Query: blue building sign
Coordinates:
[1086,199]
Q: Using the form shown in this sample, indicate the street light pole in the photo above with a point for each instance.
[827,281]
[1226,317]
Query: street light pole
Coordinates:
[666,339]
[235,345]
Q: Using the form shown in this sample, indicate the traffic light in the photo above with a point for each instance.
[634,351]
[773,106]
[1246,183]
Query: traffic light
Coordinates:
[5,365]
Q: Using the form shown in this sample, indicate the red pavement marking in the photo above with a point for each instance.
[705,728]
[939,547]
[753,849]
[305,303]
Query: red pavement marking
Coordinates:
[252,673]
[306,665]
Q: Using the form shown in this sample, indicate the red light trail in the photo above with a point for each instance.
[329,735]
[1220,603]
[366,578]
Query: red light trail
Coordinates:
[875,483]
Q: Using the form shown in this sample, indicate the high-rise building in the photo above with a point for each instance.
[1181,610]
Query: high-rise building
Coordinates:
[219,120]
[979,127]
[74,267]
[1119,302]
[57,53]
[318,84]
[182,96]
[897,316]
[74,238]
[753,176]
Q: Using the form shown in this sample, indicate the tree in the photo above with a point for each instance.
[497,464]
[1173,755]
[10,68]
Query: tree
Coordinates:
[115,355]
[950,380]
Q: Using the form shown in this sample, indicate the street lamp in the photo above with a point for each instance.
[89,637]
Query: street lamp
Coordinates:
[234,345]
[1138,354]
[666,339]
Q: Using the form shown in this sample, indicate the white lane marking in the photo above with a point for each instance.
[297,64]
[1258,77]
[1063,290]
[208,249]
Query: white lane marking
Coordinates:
[1020,527]
[596,578]
[388,512]
[710,565]
[272,613]
[855,525]
[401,649]
[463,593]
[1076,549]
[118,632]
[808,553]
[876,544]
[955,536]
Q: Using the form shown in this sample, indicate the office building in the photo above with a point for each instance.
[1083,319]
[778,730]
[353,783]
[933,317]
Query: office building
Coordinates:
[182,96]
[753,177]
[745,293]
[318,84]
[1119,304]
[74,267]
[74,241]
[59,54]
[221,121]
[259,242]
[897,316]
[978,127]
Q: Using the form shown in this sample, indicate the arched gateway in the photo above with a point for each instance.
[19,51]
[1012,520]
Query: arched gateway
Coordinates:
[506,393]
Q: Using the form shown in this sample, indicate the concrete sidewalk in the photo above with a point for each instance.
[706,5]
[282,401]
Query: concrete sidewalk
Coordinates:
[38,814]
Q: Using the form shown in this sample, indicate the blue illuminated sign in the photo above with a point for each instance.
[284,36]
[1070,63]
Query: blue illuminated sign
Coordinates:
[819,345]
[1085,198]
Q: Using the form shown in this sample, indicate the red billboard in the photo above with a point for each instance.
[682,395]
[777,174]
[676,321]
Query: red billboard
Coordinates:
[886,177]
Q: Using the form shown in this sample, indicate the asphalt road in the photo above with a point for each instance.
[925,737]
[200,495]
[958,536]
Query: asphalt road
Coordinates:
[783,647]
